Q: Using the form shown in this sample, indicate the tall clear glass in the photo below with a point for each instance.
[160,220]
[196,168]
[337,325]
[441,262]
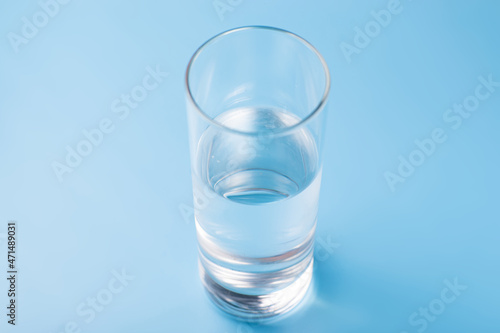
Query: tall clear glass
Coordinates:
[255,103]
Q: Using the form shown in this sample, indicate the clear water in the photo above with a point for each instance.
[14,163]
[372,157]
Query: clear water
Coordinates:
[256,201]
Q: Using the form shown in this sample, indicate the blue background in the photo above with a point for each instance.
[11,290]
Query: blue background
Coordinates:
[126,206]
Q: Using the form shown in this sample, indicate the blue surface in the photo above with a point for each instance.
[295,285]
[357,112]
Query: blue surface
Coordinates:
[393,251]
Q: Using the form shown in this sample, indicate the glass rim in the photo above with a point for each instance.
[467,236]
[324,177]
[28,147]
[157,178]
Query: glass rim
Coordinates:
[303,120]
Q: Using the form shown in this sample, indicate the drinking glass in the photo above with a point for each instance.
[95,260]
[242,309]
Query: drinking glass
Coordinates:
[256,110]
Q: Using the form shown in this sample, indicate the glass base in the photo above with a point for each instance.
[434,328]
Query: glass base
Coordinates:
[255,308]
